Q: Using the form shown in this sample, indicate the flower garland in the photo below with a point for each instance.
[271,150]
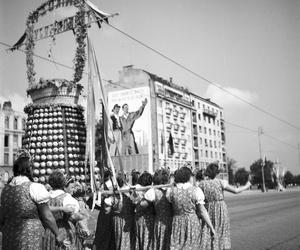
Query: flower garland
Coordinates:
[81,34]
[29,47]
[80,37]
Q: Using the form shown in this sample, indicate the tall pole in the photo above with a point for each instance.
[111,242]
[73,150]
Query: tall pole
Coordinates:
[260,132]
[299,152]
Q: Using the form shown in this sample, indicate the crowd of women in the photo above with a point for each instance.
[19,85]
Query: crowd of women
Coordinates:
[189,213]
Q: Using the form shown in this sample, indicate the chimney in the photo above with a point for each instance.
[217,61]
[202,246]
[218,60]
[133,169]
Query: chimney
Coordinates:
[171,79]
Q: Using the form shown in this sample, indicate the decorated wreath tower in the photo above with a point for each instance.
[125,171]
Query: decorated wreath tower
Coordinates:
[56,133]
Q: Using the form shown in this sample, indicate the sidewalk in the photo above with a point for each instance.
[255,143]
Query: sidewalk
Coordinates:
[258,191]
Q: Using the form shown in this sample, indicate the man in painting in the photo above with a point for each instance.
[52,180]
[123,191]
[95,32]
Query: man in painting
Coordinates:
[127,121]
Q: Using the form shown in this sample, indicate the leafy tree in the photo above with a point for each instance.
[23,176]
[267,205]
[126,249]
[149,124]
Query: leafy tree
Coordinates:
[288,178]
[256,172]
[241,176]
[297,180]
[231,168]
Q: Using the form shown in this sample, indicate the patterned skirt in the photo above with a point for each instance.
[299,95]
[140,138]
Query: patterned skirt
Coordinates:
[22,234]
[68,230]
[218,214]
[123,227]
[144,232]
[186,232]
[162,233]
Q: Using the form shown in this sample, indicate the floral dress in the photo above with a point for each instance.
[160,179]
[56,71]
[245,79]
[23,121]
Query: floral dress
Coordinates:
[65,227]
[218,213]
[123,224]
[22,227]
[163,218]
[186,227]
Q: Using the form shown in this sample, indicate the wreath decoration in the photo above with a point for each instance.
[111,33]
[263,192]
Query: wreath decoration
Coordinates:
[80,31]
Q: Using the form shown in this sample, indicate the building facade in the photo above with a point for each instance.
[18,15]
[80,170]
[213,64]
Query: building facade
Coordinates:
[180,127]
[12,129]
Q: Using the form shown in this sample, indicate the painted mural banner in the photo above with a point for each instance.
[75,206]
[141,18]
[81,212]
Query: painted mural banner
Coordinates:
[135,119]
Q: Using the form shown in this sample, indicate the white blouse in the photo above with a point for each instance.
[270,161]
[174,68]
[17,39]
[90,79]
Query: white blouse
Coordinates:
[199,195]
[38,192]
[68,199]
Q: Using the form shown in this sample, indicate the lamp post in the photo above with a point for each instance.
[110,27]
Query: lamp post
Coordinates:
[263,162]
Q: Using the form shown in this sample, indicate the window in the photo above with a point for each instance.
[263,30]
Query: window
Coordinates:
[205,130]
[23,124]
[6,122]
[199,117]
[193,103]
[200,141]
[215,144]
[6,158]
[205,141]
[199,105]
[221,114]
[211,154]
[160,103]
[16,123]
[203,106]
[200,129]
[216,155]
[209,131]
[6,141]
[206,153]
[14,156]
[209,120]
[15,141]
[201,153]
[219,144]
[210,143]
[214,132]
[218,124]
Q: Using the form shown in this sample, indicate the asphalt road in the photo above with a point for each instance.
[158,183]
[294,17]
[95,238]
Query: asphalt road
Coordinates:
[266,221]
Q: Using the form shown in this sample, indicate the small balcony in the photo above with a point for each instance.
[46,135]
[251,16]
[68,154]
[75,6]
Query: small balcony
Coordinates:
[182,129]
[177,155]
[176,141]
[168,111]
[176,127]
[183,142]
[210,113]
[169,125]
[182,115]
[175,113]
[184,155]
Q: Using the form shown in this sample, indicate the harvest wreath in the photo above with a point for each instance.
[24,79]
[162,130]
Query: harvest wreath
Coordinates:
[80,31]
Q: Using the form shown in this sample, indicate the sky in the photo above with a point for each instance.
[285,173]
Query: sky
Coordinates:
[249,47]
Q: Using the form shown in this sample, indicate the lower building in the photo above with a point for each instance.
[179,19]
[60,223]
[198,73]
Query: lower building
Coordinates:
[12,129]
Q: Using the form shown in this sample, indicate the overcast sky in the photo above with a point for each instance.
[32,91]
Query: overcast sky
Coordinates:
[249,47]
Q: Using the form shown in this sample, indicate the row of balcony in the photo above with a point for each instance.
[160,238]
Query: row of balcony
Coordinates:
[176,113]
[176,127]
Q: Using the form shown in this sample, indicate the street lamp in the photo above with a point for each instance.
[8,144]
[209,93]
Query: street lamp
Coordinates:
[260,132]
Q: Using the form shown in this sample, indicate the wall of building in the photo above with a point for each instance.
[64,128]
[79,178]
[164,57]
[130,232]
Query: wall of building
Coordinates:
[12,128]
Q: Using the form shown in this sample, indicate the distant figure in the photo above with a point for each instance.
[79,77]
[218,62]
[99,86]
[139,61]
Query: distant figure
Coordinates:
[115,146]
[213,190]
[127,121]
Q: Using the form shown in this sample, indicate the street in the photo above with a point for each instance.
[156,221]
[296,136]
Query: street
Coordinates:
[265,220]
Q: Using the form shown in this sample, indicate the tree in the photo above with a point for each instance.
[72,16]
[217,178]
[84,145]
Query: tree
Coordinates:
[241,176]
[256,172]
[297,180]
[288,178]
[231,169]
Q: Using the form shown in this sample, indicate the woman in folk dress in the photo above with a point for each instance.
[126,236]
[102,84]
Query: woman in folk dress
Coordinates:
[187,202]
[24,205]
[163,211]
[213,189]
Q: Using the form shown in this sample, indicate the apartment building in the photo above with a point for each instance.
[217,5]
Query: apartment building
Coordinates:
[12,128]
[177,127]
